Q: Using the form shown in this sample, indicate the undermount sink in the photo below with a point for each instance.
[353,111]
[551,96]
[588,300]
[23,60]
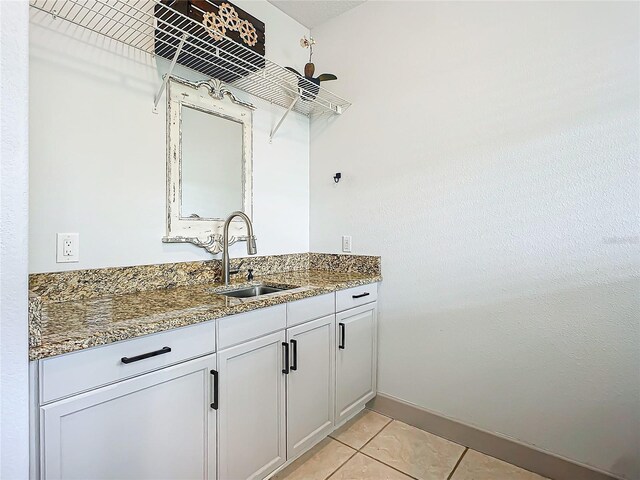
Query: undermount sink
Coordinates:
[253,291]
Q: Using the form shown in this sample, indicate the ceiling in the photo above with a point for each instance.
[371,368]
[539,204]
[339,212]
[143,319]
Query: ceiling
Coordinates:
[312,13]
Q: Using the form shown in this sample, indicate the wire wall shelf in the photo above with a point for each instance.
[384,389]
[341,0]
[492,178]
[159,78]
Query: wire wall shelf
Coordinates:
[157,29]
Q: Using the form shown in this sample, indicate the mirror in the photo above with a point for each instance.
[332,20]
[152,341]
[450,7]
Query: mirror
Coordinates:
[209,162]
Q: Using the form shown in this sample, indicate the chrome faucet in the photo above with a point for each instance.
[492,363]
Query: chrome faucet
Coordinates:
[251,243]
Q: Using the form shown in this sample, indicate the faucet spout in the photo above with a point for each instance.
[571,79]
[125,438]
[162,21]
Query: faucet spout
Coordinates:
[251,245]
[251,242]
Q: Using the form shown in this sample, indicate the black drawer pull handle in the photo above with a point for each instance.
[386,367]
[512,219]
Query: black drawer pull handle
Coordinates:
[214,405]
[294,354]
[137,358]
[285,346]
[361,295]
[343,334]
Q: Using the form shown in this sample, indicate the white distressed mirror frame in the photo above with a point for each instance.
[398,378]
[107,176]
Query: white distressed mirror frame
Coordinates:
[209,97]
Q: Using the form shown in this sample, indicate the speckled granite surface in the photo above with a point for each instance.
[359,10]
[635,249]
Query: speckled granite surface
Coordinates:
[89,319]
[35,320]
[85,284]
[365,264]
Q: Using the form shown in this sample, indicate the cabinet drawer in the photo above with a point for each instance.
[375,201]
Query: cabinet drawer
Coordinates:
[242,327]
[311,308]
[356,296]
[80,371]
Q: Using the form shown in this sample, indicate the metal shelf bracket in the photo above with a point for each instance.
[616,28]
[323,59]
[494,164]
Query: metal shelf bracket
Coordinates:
[156,100]
[273,132]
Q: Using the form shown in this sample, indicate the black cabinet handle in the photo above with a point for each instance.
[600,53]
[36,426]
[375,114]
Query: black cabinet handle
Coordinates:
[137,358]
[361,295]
[343,334]
[214,405]
[285,346]
[294,354]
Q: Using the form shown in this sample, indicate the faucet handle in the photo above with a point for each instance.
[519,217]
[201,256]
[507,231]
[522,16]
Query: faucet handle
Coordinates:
[250,274]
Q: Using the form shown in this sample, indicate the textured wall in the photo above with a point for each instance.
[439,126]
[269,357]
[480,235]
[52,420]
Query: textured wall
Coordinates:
[14,386]
[98,152]
[491,158]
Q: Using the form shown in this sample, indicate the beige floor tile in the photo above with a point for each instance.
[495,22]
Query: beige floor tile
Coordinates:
[478,466]
[362,428]
[318,463]
[361,467]
[414,451]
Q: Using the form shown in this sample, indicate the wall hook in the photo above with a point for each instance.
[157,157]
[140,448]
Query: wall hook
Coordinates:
[337,177]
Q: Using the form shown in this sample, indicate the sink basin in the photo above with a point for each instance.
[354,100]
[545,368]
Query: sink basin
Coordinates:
[253,291]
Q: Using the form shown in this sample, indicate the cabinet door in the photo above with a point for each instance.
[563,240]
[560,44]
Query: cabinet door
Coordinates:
[251,411]
[157,425]
[356,337]
[310,384]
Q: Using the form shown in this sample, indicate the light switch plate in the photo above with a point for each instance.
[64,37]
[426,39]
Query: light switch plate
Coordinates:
[346,243]
[67,247]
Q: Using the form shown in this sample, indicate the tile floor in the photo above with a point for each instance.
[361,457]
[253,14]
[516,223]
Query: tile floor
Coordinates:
[375,447]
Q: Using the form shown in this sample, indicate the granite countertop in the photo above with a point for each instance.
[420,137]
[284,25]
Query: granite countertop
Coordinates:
[68,326]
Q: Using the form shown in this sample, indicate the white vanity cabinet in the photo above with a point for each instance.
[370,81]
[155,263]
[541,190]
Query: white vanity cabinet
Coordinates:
[157,425]
[310,383]
[290,371]
[356,337]
[251,410]
[231,399]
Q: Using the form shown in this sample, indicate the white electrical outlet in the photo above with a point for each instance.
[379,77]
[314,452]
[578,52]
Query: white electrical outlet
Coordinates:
[346,243]
[68,247]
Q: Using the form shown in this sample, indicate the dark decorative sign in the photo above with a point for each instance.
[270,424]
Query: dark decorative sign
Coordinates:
[212,24]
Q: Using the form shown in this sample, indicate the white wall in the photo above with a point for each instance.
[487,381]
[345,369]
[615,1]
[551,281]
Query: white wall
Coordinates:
[14,386]
[98,152]
[491,158]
